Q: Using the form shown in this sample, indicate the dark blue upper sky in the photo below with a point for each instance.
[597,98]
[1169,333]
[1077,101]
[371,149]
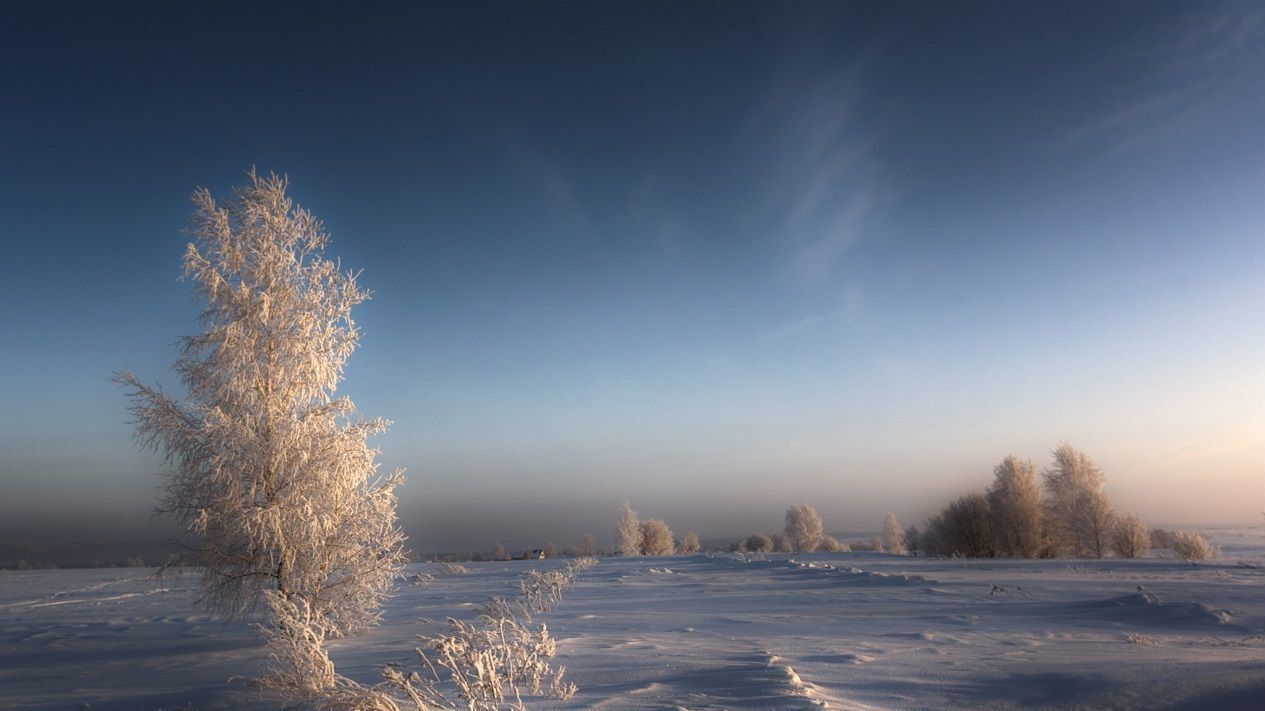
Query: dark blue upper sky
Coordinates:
[747,253]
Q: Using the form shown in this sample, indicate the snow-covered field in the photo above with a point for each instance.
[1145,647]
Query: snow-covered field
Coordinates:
[850,630]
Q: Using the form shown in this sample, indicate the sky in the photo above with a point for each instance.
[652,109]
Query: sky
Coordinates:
[712,257]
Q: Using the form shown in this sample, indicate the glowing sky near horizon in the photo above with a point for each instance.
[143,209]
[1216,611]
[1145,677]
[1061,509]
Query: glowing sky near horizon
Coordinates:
[715,258]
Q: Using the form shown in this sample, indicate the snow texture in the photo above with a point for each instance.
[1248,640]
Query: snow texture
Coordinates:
[842,631]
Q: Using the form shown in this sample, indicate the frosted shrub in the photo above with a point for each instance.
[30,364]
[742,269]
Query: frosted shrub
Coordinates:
[829,544]
[803,528]
[687,544]
[454,569]
[656,538]
[894,536]
[587,547]
[1129,537]
[759,543]
[484,665]
[781,544]
[1161,538]
[1192,546]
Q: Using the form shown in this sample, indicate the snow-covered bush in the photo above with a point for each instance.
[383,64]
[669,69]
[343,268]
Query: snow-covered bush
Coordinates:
[894,536]
[913,540]
[687,543]
[267,469]
[656,538]
[587,547]
[759,543]
[450,568]
[628,531]
[828,544]
[491,663]
[803,528]
[1129,537]
[781,543]
[1192,546]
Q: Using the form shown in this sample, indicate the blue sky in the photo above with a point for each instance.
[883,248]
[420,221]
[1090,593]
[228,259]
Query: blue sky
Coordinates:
[713,257]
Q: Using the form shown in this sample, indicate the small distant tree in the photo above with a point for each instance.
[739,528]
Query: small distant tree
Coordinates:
[1077,505]
[1129,537]
[1192,546]
[628,531]
[687,544]
[803,528]
[550,550]
[759,543]
[269,471]
[499,553]
[587,546]
[782,544]
[913,540]
[962,529]
[894,536]
[1161,538]
[829,544]
[1015,502]
[656,538]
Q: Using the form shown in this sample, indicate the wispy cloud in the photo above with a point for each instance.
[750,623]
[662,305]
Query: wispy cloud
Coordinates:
[853,303]
[1179,74]
[820,172]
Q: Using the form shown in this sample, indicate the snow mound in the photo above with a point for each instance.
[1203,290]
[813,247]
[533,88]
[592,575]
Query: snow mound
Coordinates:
[752,681]
[856,575]
[1146,607]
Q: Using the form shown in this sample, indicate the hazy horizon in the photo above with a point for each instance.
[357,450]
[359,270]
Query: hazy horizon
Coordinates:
[713,258]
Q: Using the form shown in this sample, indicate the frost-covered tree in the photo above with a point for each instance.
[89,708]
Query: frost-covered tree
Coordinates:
[758,543]
[894,536]
[587,547]
[269,471]
[1192,546]
[628,531]
[781,543]
[803,528]
[913,540]
[1079,509]
[1129,538]
[550,550]
[1014,500]
[499,553]
[687,543]
[656,537]
[962,529]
